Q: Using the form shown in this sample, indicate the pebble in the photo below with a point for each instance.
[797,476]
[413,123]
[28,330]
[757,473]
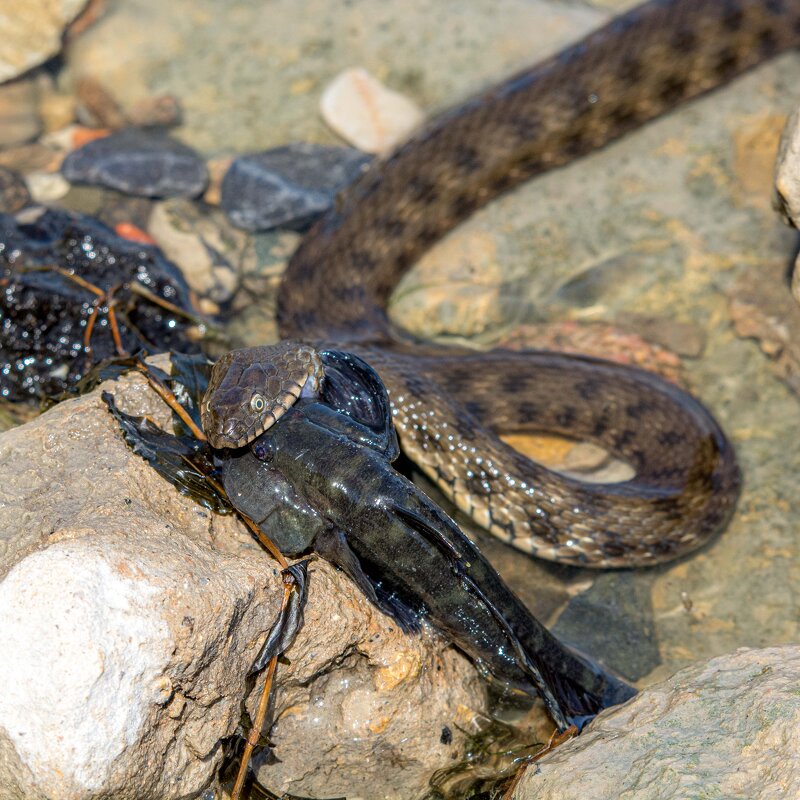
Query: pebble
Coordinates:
[288,187]
[140,163]
[19,113]
[46,187]
[14,193]
[367,114]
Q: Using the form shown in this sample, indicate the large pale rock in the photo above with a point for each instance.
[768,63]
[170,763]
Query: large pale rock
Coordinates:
[130,616]
[30,32]
[723,728]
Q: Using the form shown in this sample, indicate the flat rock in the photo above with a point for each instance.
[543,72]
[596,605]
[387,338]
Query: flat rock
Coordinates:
[722,728]
[366,113]
[138,162]
[130,617]
[613,620]
[287,187]
[30,32]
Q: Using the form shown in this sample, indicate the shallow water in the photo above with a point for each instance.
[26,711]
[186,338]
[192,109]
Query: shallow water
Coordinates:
[659,224]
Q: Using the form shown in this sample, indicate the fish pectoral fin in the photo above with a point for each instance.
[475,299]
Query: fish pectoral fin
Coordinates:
[332,545]
[353,388]
[437,533]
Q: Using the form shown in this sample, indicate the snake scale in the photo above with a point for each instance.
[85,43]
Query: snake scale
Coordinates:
[450,404]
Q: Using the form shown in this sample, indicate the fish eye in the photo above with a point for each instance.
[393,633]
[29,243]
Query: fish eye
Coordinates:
[257,403]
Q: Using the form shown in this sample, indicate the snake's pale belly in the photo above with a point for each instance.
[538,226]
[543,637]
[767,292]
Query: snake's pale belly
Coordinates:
[449,405]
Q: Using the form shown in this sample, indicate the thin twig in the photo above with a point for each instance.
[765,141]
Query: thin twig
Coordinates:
[265,541]
[169,398]
[555,740]
[251,740]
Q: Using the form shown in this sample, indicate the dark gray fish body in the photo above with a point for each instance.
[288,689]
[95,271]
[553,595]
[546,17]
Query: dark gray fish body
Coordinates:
[317,480]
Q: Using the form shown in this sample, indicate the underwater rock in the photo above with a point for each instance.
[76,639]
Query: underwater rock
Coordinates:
[762,308]
[138,162]
[722,728]
[130,617]
[211,255]
[366,113]
[287,187]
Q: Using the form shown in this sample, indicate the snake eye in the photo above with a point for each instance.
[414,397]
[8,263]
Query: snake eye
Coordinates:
[257,403]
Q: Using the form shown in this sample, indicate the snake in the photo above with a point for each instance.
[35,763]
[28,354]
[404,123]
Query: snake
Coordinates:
[450,405]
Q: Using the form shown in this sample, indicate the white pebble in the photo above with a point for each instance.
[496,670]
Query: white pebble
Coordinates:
[45,187]
[366,113]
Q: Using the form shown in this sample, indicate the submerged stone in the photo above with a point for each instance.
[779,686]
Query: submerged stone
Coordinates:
[288,187]
[138,162]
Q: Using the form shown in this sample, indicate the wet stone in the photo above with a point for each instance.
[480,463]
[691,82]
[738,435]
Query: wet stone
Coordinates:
[613,620]
[14,193]
[288,187]
[138,162]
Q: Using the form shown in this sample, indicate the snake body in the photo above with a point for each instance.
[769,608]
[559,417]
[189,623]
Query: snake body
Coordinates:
[450,404]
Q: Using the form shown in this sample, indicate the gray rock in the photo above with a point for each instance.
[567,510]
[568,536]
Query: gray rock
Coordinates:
[288,187]
[726,728]
[130,617]
[138,162]
[613,620]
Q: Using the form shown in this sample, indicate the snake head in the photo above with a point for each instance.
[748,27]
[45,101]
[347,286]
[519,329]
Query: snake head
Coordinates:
[252,388]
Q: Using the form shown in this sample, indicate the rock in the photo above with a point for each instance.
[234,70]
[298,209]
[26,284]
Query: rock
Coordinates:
[613,620]
[138,162]
[288,187]
[723,728]
[682,338]
[19,113]
[597,339]
[30,32]
[212,256]
[366,113]
[762,308]
[46,187]
[14,193]
[130,617]
[787,171]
